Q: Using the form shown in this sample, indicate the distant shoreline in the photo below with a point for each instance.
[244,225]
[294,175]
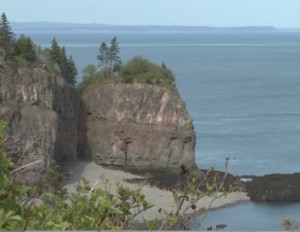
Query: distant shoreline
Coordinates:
[97,27]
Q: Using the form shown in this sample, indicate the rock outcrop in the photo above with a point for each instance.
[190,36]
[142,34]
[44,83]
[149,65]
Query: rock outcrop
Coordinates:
[136,125]
[274,187]
[127,125]
[42,114]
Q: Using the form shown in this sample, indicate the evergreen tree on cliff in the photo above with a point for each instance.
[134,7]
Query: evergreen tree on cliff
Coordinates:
[66,65]
[24,49]
[71,71]
[7,40]
[55,53]
[103,56]
[62,62]
[113,55]
[109,56]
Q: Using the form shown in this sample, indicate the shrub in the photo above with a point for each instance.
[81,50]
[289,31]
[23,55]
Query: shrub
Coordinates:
[137,70]
[141,70]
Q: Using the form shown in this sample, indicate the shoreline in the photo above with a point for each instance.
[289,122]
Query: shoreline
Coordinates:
[101,177]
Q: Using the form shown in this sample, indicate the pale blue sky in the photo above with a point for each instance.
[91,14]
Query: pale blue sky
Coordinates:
[278,13]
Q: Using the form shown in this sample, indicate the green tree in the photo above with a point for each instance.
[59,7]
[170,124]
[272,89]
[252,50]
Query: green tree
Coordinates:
[66,65]
[109,56]
[63,62]
[7,39]
[29,53]
[103,56]
[55,53]
[113,54]
[142,70]
[24,49]
[71,71]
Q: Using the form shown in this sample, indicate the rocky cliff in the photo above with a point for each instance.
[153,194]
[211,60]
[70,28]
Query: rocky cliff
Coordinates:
[42,114]
[136,125]
[128,125]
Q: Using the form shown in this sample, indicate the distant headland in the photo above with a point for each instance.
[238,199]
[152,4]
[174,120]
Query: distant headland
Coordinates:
[96,27]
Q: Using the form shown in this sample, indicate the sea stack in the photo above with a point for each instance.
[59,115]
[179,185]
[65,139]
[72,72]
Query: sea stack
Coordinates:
[136,125]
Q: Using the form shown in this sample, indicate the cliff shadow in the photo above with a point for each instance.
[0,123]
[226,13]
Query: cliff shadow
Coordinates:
[83,145]
[72,149]
[83,149]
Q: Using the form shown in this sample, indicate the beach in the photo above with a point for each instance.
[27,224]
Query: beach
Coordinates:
[105,178]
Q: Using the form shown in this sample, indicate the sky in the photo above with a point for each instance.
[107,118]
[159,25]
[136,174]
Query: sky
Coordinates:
[218,13]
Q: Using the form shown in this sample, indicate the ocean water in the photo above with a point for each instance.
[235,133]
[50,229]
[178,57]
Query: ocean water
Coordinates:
[250,216]
[242,91]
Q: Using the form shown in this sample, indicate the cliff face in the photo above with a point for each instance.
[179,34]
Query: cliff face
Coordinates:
[132,125]
[42,115]
[136,125]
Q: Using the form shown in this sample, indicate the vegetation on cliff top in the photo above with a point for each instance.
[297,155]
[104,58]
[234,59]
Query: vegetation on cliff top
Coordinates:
[137,70]
[23,53]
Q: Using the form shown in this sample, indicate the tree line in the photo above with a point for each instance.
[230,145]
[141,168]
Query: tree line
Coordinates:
[66,65]
[22,52]
[138,69]
[14,50]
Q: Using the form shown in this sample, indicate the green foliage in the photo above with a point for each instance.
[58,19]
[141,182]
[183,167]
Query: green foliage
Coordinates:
[141,70]
[195,189]
[92,77]
[10,194]
[290,224]
[7,40]
[103,56]
[55,52]
[113,54]
[6,165]
[66,66]
[109,56]
[24,52]
[137,70]
[88,209]
[53,181]
[71,71]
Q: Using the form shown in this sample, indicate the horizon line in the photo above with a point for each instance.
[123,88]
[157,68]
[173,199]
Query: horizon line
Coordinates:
[154,25]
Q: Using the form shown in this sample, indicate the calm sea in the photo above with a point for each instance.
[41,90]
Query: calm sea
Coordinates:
[242,91]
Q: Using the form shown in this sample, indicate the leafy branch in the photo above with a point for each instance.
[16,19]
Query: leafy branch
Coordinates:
[188,200]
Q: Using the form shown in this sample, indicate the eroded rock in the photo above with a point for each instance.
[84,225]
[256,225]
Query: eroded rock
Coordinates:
[136,125]
[42,114]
